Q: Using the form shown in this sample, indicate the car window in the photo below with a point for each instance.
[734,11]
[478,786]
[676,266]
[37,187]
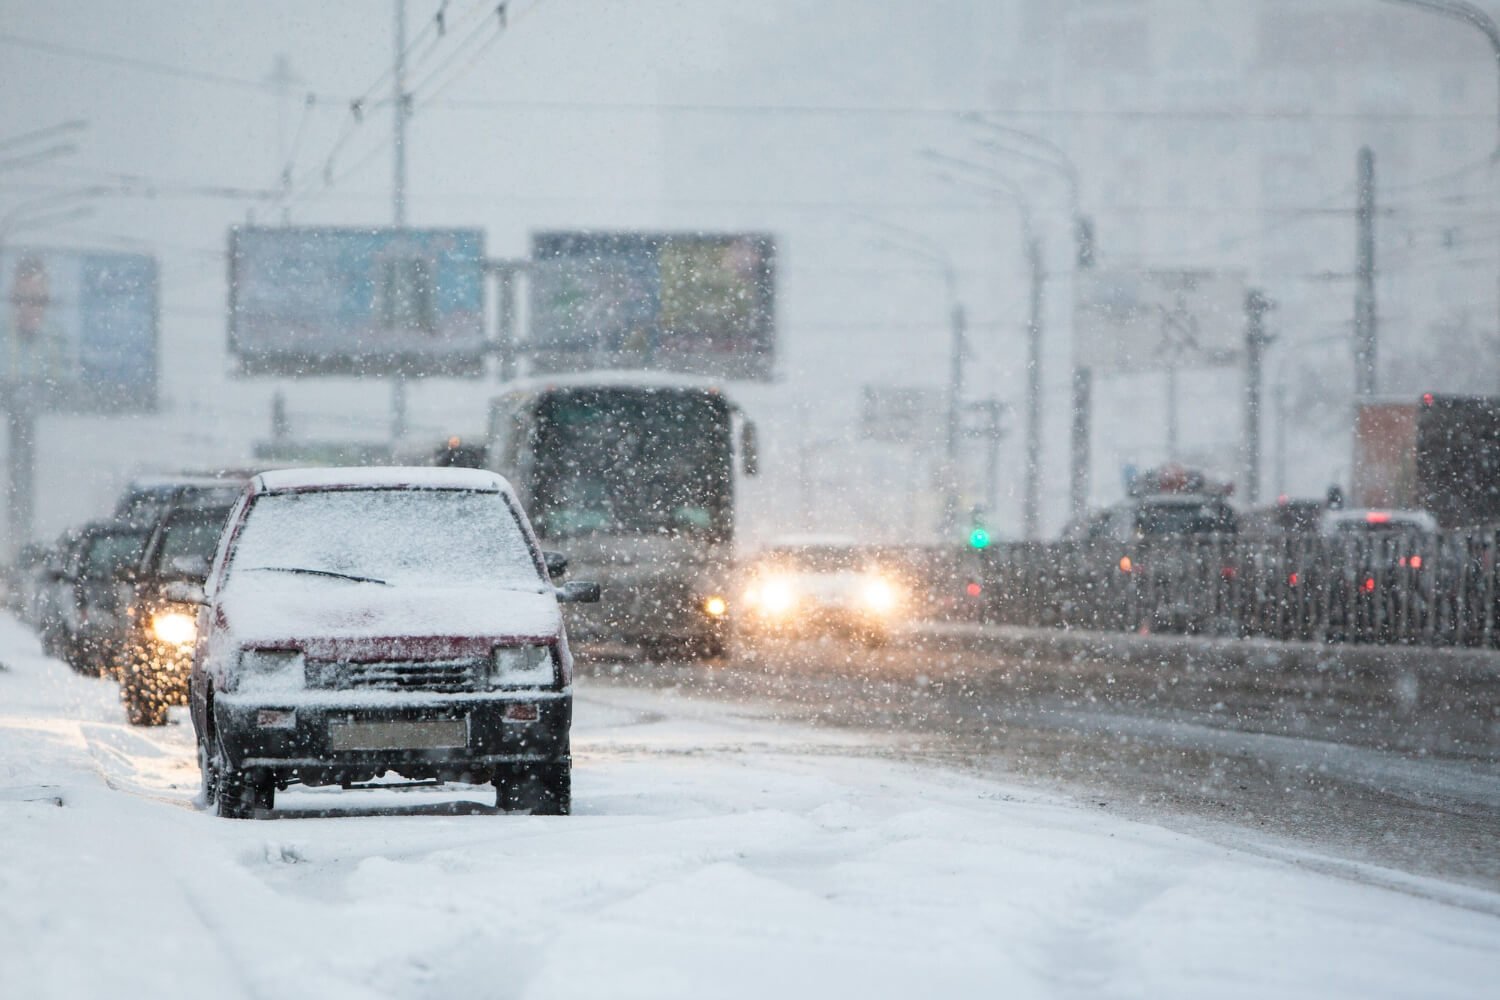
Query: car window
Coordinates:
[399,536]
[106,554]
[191,534]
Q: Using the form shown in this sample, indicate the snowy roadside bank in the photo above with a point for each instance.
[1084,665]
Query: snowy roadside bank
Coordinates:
[717,851]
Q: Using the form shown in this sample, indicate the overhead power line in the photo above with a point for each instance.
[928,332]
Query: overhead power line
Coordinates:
[145,65]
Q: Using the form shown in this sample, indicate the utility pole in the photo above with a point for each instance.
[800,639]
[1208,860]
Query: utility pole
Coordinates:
[1031,500]
[1256,341]
[1364,289]
[1083,404]
[955,407]
[399,106]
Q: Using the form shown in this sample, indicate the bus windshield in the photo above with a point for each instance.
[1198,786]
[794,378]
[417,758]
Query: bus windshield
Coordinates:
[633,461]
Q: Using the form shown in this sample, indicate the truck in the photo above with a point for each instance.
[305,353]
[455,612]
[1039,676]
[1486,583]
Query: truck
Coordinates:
[632,476]
[1437,453]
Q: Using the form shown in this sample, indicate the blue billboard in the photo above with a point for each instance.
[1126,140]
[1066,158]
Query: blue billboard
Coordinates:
[338,301]
[78,330]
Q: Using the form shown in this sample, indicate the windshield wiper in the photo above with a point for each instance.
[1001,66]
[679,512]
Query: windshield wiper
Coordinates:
[321,572]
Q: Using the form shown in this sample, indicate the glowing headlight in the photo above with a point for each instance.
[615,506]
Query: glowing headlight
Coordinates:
[271,669]
[878,595]
[177,628]
[777,595]
[522,666]
[715,606]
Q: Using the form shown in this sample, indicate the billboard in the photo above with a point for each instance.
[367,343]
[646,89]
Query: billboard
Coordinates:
[77,330]
[683,302]
[335,301]
[1135,321]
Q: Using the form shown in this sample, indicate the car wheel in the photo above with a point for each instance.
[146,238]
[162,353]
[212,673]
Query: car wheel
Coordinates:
[208,774]
[239,794]
[543,789]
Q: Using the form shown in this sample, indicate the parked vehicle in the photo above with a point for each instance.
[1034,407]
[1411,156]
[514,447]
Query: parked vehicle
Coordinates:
[94,595]
[1380,566]
[364,621]
[157,646]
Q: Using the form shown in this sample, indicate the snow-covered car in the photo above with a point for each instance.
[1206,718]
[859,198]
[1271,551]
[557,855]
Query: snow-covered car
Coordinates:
[818,586]
[358,622]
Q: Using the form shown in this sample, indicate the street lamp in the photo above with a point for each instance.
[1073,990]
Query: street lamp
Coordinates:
[1031,497]
[1473,16]
[915,244]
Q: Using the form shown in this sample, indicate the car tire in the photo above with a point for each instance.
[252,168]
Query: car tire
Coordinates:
[239,794]
[542,789]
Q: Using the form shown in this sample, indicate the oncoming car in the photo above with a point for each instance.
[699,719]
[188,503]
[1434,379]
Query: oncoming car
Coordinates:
[820,587]
[364,621]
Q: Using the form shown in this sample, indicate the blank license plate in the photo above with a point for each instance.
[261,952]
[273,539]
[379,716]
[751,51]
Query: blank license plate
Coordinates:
[436,734]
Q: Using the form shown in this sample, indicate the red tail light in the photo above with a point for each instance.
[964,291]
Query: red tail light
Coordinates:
[1291,581]
[1369,584]
[974,590]
[1415,562]
[1227,572]
[1125,564]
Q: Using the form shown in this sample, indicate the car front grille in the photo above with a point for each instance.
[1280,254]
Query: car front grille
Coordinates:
[399,675]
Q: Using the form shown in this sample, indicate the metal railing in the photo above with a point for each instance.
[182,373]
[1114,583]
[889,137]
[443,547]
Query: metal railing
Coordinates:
[1387,588]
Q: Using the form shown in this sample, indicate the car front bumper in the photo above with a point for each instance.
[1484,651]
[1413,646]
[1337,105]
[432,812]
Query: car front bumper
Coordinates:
[421,736]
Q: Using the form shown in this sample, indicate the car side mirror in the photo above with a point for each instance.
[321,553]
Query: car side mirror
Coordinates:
[749,449]
[578,592]
[190,566]
[556,562]
[184,592]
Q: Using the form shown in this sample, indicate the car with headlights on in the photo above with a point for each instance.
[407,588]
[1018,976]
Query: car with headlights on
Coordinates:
[802,588]
[363,622]
[161,613]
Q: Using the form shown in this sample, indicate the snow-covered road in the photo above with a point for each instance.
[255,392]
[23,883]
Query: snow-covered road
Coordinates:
[714,852]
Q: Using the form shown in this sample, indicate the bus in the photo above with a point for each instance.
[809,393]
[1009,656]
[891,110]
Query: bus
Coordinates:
[632,476]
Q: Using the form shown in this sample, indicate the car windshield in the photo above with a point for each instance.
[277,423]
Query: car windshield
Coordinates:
[1184,519]
[192,535]
[396,536]
[111,552]
[633,462]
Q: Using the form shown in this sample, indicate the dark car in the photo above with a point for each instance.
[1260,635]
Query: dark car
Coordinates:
[160,624]
[364,621]
[93,595]
[146,499]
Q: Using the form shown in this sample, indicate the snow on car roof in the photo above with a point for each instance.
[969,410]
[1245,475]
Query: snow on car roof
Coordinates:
[377,477]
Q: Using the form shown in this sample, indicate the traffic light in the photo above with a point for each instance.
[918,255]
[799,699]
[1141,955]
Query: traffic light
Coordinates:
[979,535]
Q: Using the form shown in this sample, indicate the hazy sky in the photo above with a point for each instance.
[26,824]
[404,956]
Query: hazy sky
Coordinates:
[800,119]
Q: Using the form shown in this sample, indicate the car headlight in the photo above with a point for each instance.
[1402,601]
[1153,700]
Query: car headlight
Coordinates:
[522,666]
[776,595]
[272,669]
[715,606]
[176,628]
[878,595]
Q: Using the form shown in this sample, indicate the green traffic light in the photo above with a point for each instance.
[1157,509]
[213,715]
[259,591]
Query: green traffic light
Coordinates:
[979,538]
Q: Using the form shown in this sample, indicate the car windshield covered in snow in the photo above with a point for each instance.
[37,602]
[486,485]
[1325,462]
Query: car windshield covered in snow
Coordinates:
[394,536]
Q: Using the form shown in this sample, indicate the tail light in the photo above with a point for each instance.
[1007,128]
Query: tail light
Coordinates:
[974,589]
[1414,562]
[1368,585]
[1292,580]
[1126,565]
[1227,572]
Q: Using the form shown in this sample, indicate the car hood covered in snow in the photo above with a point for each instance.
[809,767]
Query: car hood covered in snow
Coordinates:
[308,612]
